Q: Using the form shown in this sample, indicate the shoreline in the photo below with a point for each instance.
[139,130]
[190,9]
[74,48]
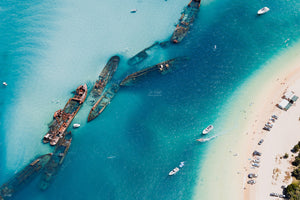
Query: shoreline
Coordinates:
[274,171]
[249,108]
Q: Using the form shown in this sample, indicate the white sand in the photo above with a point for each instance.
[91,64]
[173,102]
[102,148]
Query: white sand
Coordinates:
[227,167]
[275,172]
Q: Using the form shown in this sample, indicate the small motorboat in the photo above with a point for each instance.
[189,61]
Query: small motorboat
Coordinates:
[76,125]
[208,129]
[4,83]
[133,11]
[174,171]
[263,10]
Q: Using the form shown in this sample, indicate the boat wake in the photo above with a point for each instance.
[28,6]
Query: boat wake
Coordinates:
[206,139]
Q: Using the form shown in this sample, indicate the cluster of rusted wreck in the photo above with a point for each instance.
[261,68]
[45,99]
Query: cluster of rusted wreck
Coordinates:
[101,95]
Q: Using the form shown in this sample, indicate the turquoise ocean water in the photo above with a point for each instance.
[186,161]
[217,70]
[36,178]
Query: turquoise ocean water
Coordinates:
[47,49]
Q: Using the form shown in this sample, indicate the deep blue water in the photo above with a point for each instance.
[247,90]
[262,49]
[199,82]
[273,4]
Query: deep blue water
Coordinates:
[127,152]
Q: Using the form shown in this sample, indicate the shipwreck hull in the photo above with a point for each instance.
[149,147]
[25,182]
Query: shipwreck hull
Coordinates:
[23,177]
[187,17]
[141,56]
[103,102]
[105,76]
[63,118]
[163,68]
[52,167]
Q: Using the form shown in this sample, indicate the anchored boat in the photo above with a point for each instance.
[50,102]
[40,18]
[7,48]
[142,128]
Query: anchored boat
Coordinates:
[56,160]
[104,101]
[207,129]
[76,125]
[63,118]
[263,10]
[187,17]
[174,171]
[23,177]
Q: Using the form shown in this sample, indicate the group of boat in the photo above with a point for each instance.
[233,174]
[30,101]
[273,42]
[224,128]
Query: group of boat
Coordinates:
[100,97]
[59,137]
[206,131]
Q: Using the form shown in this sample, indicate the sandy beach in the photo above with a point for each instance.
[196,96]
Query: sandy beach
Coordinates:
[257,99]
[274,171]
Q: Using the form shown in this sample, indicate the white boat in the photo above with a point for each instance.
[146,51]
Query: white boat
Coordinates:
[263,10]
[76,125]
[133,11]
[4,83]
[174,171]
[208,129]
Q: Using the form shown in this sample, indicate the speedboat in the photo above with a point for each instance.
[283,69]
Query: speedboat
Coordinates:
[4,83]
[76,125]
[133,11]
[208,129]
[174,171]
[263,10]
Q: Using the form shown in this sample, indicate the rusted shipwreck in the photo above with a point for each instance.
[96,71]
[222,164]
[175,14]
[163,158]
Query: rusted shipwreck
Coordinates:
[63,118]
[185,21]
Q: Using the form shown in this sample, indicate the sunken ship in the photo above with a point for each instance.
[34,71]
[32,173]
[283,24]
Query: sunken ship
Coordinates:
[105,76]
[103,99]
[142,55]
[23,177]
[162,67]
[63,118]
[187,17]
[51,168]
[103,102]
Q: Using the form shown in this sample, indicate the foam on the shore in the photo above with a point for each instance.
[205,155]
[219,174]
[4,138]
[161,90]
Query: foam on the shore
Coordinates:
[222,175]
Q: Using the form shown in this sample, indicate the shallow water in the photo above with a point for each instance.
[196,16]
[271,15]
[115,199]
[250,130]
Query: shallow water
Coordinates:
[48,49]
